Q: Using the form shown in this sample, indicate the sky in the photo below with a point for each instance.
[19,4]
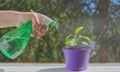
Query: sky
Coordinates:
[90,7]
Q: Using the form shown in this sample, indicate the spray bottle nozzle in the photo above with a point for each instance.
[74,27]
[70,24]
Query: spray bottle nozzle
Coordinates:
[53,23]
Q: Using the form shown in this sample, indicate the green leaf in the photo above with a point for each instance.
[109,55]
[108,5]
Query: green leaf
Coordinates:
[87,38]
[84,43]
[68,42]
[79,29]
[63,15]
[73,42]
[68,39]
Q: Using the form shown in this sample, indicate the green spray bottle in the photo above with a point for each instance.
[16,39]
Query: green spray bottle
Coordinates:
[13,43]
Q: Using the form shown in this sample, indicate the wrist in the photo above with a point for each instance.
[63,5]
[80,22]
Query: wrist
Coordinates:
[24,17]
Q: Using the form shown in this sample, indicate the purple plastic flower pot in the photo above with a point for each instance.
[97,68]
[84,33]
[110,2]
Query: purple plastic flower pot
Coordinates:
[76,60]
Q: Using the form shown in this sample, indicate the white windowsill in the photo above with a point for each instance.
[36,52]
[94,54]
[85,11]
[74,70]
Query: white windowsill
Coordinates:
[57,67]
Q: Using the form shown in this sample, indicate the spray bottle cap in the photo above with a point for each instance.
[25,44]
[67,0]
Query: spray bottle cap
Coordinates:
[53,23]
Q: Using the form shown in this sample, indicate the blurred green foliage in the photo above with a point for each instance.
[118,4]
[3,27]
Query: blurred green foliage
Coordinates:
[99,17]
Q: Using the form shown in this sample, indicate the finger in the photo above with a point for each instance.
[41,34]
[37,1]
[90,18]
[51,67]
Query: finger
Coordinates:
[33,34]
[45,29]
[35,21]
[39,36]
[35,16]
[36,25]
[35,28]
[42,32]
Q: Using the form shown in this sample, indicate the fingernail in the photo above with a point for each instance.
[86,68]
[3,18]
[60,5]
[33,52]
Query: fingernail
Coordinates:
[32,35]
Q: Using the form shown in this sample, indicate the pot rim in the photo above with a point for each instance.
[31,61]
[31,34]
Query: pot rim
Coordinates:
[80,47]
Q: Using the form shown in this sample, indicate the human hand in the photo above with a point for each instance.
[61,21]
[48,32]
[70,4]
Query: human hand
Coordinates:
[37,24]
[16,18]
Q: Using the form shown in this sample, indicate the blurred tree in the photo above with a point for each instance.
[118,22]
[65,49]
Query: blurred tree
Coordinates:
[100,18]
